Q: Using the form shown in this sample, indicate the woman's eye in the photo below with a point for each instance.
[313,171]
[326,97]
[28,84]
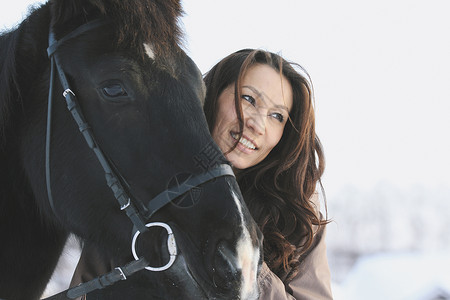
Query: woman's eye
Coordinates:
[114,90]
[278,116]
[249,99]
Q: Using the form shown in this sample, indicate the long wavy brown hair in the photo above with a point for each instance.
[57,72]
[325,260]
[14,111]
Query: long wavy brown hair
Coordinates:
[278,190]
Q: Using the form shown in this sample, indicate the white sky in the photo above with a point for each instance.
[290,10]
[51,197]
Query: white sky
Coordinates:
[381,73]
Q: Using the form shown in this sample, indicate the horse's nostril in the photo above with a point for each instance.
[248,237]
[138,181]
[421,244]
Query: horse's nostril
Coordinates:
[225,272]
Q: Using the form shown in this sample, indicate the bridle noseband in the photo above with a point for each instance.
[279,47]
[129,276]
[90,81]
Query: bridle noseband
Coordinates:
[114,178]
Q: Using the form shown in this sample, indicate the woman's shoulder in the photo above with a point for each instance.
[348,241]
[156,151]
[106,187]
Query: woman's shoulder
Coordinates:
[315,202]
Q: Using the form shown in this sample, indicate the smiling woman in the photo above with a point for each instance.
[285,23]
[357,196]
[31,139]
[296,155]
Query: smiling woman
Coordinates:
[259,108]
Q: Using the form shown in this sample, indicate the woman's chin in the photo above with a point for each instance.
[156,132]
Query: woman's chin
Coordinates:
[238,162]
[237,166]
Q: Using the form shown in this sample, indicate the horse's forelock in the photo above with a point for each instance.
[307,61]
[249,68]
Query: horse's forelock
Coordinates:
[135,22]
[148,21]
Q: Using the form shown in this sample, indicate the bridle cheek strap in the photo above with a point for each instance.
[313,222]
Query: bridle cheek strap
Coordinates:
[111,178]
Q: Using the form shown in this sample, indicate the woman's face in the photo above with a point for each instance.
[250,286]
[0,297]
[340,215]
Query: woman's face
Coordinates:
[266,103]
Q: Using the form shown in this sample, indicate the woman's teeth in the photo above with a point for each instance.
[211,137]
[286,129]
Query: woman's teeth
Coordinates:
[244,141]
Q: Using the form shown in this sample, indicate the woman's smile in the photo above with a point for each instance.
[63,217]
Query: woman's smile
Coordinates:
[244,141]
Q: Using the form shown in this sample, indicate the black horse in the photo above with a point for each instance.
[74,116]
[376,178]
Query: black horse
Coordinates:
[136,98]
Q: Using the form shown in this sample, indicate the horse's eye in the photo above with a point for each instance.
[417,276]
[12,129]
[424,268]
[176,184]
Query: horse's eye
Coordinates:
[114,90]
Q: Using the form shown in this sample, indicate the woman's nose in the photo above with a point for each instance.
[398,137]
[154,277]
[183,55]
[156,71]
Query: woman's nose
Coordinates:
[256,122]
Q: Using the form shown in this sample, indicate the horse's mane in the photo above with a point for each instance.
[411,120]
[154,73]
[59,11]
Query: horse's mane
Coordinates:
[8,79]
[134,22]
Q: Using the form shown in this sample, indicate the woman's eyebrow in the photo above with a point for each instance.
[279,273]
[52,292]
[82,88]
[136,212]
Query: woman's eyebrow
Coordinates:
[258,93]
[263,97]
[284,107]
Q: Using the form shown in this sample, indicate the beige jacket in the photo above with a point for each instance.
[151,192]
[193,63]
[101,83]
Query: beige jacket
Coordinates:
[313,282]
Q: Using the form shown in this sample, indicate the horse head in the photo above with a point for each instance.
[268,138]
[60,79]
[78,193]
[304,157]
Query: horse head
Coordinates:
[140,100]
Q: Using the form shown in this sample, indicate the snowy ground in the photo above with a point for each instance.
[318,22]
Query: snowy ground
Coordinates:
[397,276]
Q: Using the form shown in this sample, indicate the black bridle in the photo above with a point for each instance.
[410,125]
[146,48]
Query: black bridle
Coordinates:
[114,179]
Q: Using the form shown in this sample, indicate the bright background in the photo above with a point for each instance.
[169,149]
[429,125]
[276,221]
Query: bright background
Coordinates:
[381,73]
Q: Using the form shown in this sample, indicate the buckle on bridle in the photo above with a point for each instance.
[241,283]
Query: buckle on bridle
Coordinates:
[125,205]
[171,246]
[122,274]
[67,91]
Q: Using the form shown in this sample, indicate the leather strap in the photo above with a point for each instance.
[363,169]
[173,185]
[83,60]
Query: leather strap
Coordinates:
[170,194]
[119,273]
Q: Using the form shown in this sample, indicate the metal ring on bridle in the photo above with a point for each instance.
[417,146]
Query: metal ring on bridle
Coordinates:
[171,246]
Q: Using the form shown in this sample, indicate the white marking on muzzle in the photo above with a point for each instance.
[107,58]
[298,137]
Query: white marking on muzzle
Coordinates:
[247,258]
